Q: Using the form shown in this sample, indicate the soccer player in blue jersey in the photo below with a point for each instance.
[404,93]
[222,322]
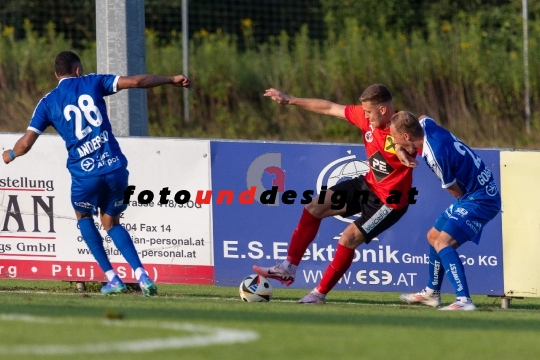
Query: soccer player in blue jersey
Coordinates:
[76,109]
[467,178]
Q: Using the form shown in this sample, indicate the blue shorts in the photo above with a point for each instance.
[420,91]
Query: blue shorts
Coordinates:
[104,192]
[464,219]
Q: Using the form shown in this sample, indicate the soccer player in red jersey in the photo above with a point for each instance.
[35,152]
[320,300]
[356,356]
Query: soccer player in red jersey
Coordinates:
[378,213]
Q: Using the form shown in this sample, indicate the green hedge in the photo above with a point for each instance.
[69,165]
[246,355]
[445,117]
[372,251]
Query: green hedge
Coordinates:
[465,75]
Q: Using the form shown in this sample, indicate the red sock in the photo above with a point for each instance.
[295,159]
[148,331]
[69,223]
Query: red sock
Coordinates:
[303,235]
[341,263]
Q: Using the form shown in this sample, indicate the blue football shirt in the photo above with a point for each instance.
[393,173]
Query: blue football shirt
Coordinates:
[454,162]
[76,109]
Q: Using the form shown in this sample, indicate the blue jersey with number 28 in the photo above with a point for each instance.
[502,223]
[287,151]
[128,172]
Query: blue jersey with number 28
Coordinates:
[76,109]
[454,162]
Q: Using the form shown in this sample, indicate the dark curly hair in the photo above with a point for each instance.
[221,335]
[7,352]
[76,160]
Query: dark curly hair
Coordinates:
[65,63]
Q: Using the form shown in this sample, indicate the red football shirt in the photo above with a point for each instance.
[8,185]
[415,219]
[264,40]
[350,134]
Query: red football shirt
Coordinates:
[386,171]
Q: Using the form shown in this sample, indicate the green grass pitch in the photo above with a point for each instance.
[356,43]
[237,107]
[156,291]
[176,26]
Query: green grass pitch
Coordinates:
[51,320]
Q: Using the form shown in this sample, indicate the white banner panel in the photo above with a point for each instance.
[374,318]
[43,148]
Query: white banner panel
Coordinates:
[520,171]
[39,238]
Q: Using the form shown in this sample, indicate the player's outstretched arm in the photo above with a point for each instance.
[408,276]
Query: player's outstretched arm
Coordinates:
[150,81]
[318,106]
[22,146]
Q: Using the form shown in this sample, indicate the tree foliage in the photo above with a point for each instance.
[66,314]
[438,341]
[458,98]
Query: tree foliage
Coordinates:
[75,19]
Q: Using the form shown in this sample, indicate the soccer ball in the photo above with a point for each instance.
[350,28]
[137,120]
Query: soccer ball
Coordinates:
[255,288]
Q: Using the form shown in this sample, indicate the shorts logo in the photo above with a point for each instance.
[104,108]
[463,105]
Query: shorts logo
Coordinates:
[474,225]
[381,169]
[87,164]
[118,203]
[84,205]
[449,212]
[369,136]
[342,169]
[376,219]
[389,144]
[461,212]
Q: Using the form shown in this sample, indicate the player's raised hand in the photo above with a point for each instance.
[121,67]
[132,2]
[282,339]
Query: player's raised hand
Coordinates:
[181,81]
[278,96]
[405,158]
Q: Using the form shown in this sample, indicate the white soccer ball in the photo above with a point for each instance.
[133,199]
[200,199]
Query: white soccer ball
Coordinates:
[255,288]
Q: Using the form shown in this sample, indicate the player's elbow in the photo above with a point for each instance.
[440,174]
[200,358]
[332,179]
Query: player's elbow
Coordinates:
[130,82]
[138,82]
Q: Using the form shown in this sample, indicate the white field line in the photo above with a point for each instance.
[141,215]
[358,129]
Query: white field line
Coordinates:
[202,336]
[238,299]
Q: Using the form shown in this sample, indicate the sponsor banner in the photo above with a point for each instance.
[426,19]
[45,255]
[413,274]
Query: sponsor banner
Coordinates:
[38,222]
[257,233]
[89,271]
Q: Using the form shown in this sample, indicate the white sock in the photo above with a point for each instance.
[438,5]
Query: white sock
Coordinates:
[291,269]
[138,272]
[110,274]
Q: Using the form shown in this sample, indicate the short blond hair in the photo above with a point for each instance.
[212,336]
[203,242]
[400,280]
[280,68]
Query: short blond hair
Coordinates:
[406,122]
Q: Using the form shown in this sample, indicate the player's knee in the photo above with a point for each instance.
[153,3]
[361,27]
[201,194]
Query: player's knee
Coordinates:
[316,209]
[109,221]
[81,215]
[322,207]
[440,242]
[432,236]
[352,237]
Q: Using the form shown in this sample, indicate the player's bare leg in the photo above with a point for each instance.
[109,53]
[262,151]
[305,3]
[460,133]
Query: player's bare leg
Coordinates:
[303,235]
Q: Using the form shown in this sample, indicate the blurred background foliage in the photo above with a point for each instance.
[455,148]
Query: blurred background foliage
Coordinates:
[458,61]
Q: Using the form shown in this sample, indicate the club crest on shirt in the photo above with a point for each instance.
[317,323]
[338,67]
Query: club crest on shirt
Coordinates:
[389,144]
[369,136]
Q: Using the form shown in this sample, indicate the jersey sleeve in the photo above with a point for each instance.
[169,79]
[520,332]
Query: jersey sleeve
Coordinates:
[109,84]
[356,116]
[40,118]
[447,175]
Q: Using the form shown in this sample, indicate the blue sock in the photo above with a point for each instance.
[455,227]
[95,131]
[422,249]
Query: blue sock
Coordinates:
[93,240]
[436,270]
[124,244]
[452,265]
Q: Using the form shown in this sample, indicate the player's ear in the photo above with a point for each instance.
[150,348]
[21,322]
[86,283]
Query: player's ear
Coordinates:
[57,77]
[78,70]
[382,109]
